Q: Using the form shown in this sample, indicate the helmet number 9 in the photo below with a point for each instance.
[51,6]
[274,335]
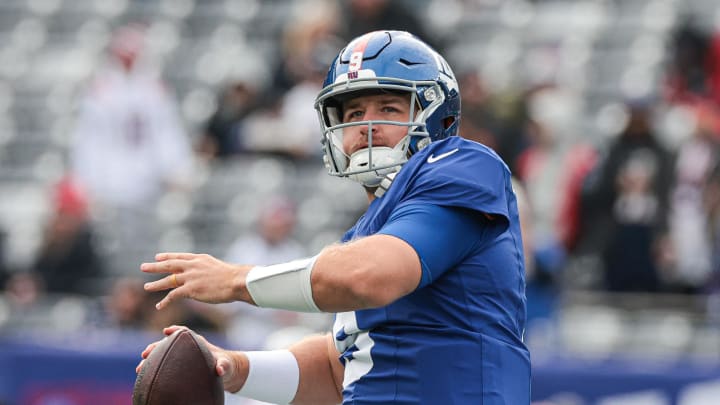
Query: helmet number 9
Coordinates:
[355,61]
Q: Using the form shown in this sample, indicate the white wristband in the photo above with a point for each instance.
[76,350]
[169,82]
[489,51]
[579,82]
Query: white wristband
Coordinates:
[273,377]
[283,286]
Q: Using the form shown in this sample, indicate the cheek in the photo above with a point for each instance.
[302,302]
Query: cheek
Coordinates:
[395,133]
[351,136]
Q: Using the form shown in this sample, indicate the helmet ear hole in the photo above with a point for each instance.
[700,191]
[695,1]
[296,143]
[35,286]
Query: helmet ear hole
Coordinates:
[448,121]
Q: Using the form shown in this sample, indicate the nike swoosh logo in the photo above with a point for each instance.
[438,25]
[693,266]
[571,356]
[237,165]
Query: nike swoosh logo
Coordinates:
[433,158]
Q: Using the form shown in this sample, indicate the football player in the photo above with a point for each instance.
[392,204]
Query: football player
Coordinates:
[428,285]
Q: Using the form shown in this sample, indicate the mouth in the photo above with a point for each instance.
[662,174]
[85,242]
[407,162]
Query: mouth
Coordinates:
[366,145]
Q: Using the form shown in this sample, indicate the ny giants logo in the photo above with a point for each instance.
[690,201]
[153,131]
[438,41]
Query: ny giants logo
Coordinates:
[352,75]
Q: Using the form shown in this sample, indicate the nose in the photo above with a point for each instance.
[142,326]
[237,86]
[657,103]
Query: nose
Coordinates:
[365,129]
[370,135]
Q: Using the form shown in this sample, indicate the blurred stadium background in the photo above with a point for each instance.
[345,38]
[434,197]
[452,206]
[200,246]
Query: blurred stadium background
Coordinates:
[549,83]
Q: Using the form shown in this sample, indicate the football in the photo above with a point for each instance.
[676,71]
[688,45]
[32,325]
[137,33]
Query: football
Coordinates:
[179,371]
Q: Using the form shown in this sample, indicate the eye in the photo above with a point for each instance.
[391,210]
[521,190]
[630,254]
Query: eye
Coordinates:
[352,114]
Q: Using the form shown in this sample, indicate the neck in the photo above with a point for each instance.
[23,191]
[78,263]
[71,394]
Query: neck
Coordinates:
[370,191]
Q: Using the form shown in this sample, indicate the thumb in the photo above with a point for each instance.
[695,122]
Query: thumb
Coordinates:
[230,371]
[223,367]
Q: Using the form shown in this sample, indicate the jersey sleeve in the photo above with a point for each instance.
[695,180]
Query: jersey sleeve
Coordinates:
[440,235]
[470,178]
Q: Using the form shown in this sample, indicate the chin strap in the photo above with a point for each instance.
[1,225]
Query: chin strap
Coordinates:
[385,184]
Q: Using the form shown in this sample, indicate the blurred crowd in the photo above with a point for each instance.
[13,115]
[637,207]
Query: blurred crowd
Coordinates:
[631,212]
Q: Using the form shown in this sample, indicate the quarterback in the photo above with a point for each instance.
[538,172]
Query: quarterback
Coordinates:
[428,286]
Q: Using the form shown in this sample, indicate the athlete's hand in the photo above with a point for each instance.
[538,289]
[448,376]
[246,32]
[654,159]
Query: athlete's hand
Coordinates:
[231,366]
[197,276]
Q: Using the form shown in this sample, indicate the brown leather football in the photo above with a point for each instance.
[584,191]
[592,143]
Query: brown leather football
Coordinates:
[179,371]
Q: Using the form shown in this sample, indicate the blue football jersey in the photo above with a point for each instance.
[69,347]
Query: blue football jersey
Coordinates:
[457,339]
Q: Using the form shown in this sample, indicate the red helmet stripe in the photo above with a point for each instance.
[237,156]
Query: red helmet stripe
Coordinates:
[356,56]
[362,42]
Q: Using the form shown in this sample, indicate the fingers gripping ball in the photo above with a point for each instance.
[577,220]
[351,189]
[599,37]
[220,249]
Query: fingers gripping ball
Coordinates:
[179,371]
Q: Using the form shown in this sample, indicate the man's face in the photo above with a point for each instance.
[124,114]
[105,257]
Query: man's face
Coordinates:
[386,107]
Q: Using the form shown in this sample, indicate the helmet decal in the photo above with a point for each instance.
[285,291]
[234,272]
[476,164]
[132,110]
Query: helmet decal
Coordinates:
[355,63]
[358,49]
[447,73]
